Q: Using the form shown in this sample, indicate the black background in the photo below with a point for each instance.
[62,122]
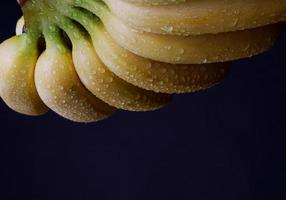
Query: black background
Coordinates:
[227,143]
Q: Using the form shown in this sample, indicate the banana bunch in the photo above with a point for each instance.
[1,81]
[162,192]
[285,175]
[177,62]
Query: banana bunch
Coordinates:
[84,59]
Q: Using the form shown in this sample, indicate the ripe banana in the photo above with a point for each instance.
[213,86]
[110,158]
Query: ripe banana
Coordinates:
[103,83]
[146,73]
[84,59]
[192,49]
[18,57]
[60,88]
[199,16]
[197,49]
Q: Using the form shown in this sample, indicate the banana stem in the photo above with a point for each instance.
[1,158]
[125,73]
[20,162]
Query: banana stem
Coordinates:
[71,29]
[89,22]
[96,7]
[53,38]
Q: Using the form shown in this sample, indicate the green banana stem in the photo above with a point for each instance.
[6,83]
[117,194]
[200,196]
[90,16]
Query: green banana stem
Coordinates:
[71,29]
[96,7]
[52,35]
[89,21]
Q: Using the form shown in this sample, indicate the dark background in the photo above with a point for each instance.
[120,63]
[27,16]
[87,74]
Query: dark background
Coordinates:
[227,143]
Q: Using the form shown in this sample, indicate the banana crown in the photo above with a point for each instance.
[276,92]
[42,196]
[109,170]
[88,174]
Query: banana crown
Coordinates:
[83,59]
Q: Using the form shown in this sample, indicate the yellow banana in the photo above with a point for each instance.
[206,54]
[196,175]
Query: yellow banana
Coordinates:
[103,83]
[198,49]
[128,54]
[210,48]
[60,88]
[146,73]
[156,76]
[200,16]
[18,57]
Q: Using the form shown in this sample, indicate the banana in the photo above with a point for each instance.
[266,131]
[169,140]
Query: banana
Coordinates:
[156,76]
[103,83]
[146,73]
[18,56]
[101,55]
[199,16]
[59,86]
[198,49]
[194,49]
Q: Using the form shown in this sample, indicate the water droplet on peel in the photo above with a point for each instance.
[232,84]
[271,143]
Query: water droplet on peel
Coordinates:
[168,29]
